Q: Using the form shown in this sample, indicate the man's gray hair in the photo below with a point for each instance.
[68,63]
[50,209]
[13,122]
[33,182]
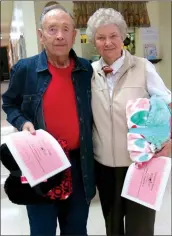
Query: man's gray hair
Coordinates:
[54,7]
[105,16]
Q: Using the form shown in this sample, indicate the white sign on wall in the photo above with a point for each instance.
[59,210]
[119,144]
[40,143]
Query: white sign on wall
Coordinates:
[149,35]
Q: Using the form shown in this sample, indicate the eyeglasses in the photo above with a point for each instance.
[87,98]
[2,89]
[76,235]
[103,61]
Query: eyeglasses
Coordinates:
[54,31]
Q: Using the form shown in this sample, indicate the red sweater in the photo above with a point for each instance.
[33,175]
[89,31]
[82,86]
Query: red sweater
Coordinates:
[59,106]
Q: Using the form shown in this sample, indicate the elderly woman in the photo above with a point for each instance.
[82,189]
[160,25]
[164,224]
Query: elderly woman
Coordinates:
[118,77]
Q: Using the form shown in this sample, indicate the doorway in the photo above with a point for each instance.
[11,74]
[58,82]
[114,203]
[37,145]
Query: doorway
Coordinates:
[4,65]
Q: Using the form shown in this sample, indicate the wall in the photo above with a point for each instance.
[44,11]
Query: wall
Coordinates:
[153,11]
[6,17]
[23,23]
[160,18]
[5,42]
[29,27]
[165,28]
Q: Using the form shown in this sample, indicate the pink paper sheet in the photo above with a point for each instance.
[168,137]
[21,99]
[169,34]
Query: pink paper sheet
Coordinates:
[39,156]
[146,185]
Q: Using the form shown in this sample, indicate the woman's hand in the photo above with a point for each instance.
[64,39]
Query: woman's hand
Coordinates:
[166,150]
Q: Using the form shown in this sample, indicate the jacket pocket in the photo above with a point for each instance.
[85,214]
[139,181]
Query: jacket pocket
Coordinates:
[30,105]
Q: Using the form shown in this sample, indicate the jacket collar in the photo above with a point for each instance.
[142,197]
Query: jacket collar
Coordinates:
[43,62]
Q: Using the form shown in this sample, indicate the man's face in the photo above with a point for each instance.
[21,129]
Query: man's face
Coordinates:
[108,42]
[57,33]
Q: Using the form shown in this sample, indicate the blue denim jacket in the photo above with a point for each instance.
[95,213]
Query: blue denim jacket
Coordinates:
[22,102]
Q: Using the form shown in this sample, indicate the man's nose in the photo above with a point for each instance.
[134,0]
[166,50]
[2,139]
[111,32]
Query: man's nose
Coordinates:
[59,35]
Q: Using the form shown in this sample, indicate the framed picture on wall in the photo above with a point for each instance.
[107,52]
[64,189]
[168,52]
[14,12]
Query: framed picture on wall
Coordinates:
[150,51]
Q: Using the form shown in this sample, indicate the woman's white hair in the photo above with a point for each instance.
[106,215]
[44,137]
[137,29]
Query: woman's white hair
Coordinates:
[105,16]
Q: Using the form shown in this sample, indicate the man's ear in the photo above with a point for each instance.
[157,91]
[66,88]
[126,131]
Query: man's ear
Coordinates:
[40,35]
[74,35]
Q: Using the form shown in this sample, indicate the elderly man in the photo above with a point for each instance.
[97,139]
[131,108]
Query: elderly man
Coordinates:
[51,91]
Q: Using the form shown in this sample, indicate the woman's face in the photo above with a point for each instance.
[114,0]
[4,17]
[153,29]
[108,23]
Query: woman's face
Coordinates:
[108,42]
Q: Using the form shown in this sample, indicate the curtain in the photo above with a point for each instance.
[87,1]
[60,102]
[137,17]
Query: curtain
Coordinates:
[135,13]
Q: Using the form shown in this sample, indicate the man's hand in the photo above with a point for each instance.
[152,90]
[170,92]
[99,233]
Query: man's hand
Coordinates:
[29,127]
[166,150]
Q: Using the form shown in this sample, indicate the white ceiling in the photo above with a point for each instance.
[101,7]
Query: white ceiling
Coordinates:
[6,16]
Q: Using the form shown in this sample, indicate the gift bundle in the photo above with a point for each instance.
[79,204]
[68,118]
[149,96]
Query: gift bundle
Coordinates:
[148,123]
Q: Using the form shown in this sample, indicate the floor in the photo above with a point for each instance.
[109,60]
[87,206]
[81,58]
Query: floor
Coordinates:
[14,219]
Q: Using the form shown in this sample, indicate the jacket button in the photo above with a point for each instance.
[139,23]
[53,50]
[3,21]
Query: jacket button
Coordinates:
[83,157]
[82,138]
[81,119]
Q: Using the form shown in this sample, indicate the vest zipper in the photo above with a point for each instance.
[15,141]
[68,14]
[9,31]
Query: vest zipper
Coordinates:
[113,139]
[111,115]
